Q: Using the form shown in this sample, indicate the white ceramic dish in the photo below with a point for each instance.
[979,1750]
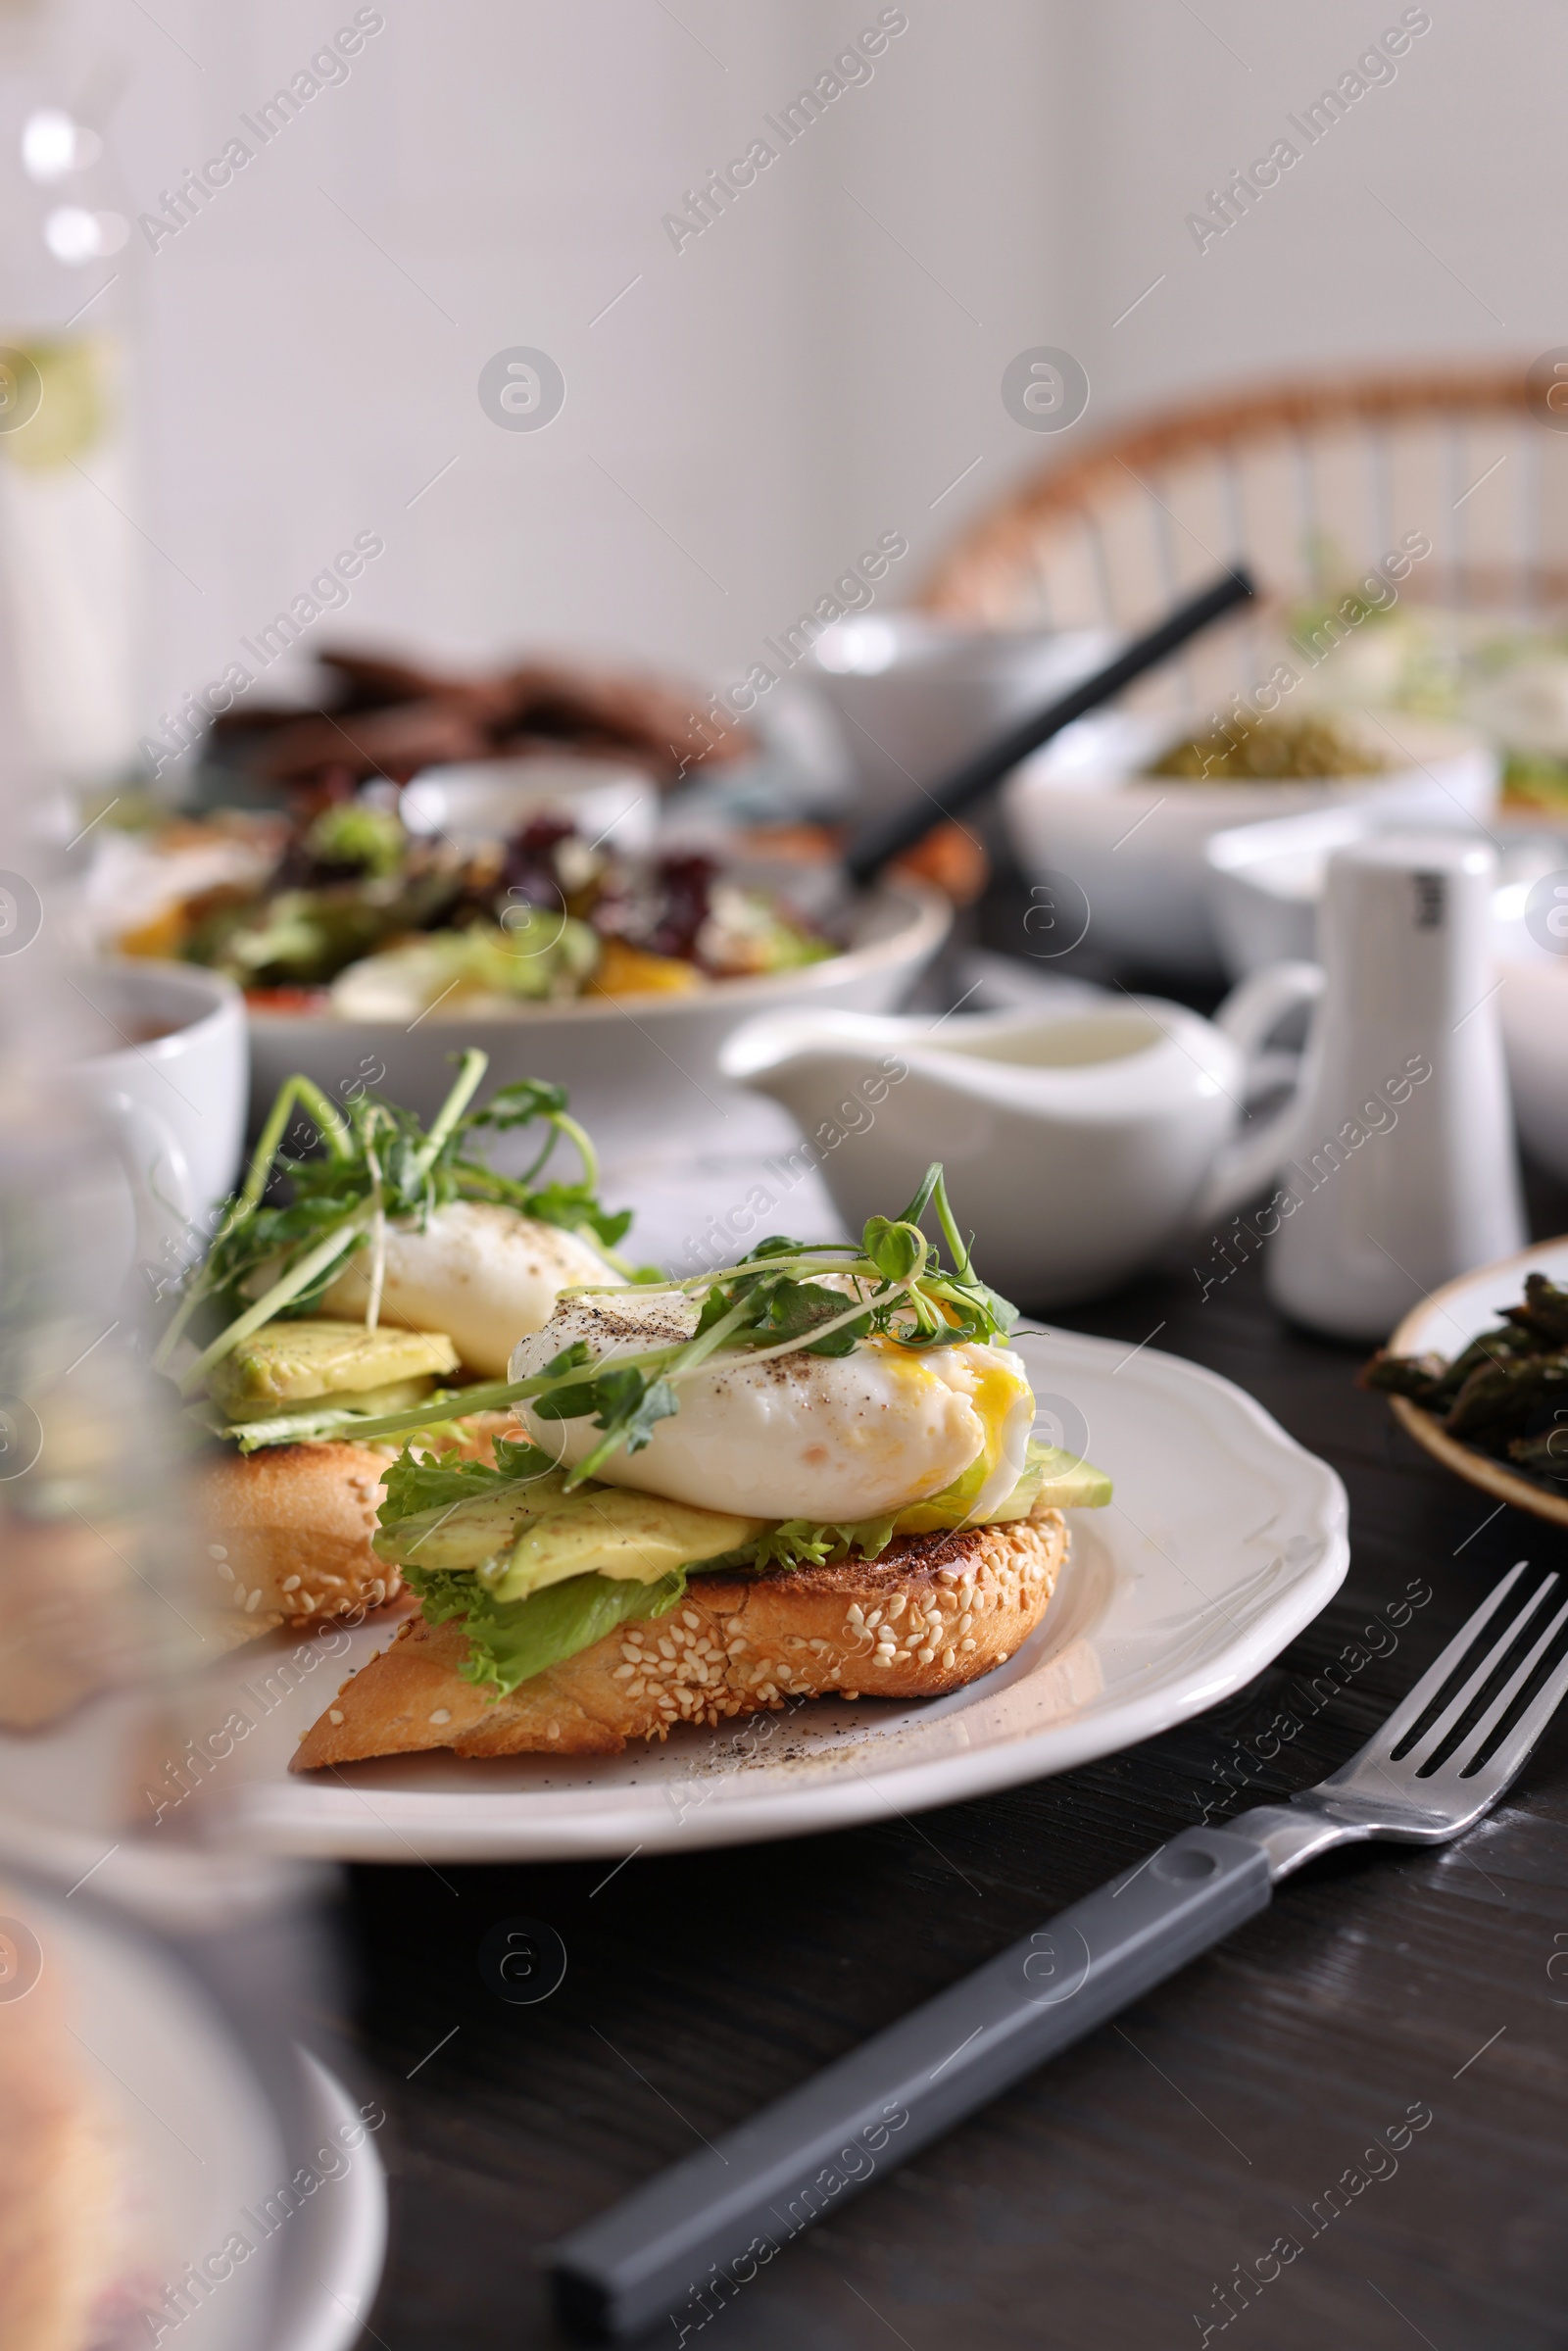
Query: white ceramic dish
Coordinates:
[914,696]
[200,2149]
[1224,1540]
[173,1053]
[168,1099]
[1121,1114]
[1533,1001]
[1264,882]
[1446,1323]
[635,1065]
[1135,844]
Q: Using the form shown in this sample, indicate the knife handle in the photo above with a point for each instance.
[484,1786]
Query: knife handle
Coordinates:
[696,2234]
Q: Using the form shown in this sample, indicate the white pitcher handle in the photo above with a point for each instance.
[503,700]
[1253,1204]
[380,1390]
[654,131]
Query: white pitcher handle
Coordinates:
[1251,1012]
[1249,1016]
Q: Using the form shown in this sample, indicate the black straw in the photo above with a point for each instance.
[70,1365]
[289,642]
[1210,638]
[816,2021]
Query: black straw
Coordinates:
[985,770]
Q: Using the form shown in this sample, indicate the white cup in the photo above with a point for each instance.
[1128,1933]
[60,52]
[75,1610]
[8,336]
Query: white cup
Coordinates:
[170,1087]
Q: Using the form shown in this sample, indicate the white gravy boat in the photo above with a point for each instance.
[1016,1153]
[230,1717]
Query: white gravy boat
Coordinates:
[1078,1144]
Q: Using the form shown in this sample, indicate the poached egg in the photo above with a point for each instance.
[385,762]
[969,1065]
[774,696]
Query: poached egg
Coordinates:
[826,1438]
[480,1271]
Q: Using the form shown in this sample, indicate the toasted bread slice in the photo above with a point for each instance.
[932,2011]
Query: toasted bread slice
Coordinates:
[287,1530]
[930,1614]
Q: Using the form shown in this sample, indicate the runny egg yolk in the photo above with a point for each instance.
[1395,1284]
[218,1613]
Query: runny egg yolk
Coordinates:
[993,1383]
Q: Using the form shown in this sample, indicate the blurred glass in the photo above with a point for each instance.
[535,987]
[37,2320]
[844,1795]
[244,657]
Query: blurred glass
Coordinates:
[70,555]
[154,1976]
[172,2167]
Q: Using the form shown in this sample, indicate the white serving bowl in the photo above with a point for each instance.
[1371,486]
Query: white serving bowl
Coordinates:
[1263,881]
[637,1067]
[914,696]
[1135,844]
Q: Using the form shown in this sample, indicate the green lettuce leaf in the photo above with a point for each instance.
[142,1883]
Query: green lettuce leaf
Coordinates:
[412,1485]
[811,1542]
[512,1640]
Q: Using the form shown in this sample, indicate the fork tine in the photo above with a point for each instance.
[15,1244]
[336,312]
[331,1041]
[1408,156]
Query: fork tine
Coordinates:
[1411,1707]
[1476,1738]
[1504,1766]
[1437,1732]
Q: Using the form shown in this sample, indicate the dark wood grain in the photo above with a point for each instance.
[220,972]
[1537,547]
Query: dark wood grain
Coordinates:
[1104,2202]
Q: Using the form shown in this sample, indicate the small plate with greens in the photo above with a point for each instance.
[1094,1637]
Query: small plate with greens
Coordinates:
[1477,1374]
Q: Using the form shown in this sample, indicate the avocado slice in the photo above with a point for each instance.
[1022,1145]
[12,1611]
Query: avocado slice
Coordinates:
[619,1533]
[399,1396]
[526,1536]
[291,1363]
[530,1534]
[473,1534]
[1053,1480]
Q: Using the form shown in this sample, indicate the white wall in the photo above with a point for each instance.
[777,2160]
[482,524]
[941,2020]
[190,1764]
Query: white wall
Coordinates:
[823,361]
[1425,224]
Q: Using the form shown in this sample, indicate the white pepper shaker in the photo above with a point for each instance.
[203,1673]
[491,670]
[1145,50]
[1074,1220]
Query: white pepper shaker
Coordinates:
[1404,1171]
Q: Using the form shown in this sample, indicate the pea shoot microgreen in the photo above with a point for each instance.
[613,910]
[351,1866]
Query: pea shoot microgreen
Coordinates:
[892,1286]
[298,1217]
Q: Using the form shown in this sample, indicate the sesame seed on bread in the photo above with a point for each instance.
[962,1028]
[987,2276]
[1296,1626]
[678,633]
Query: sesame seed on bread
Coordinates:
[931,1613]
[287,1530]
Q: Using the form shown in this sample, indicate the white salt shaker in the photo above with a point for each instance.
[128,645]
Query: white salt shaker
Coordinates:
[1404,1172]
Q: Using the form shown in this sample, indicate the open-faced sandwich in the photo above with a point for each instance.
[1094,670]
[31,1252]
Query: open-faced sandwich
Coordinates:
[810,1472]
[389,1270]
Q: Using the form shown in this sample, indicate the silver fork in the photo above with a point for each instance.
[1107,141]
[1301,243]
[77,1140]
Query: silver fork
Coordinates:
[1382,1794]
[704,2229]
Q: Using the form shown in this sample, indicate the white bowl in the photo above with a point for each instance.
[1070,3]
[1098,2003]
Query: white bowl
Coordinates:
[1264,882]
[914,696]
[637,1067]
[1134,844]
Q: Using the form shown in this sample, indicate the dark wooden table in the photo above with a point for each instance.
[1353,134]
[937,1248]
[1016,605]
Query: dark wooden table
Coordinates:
[1105,2202]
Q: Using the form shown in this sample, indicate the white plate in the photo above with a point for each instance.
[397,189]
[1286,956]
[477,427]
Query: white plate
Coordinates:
[1224,1540]
[1444,1324]
[201,2150]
